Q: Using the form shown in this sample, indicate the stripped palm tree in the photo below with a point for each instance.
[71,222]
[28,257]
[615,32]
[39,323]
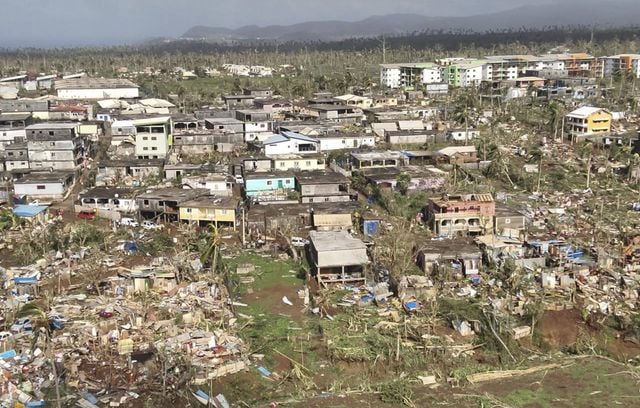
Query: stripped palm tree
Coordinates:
[40,322]
[211,253]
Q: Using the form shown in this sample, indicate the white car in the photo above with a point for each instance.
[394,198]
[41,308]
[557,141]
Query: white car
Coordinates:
[108,262]
[238,179]
[150,225]
[299,242]
[129,222]
[23,324]
[4,335]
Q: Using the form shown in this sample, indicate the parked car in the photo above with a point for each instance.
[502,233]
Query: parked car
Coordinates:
[108,262]
[238,179]
[22,325]
[105,314]
[299,242]
[129,222]
[4,335]
[56,324]
[150,225]
[86,215]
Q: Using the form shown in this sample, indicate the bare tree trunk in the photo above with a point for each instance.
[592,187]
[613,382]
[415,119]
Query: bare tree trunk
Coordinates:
[55,375]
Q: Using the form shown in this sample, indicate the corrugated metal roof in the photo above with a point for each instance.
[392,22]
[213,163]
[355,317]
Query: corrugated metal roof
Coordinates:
[29,211]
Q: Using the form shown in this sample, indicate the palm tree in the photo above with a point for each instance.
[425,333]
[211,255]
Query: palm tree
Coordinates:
[40,323]
[212,251]
[555,111]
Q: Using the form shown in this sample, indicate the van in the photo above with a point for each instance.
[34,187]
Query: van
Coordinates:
[128,222]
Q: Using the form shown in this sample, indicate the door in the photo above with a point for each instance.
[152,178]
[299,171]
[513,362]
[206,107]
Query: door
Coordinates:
[280,184]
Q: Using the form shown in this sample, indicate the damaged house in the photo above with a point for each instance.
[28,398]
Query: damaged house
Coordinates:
[164,203]
[322,187]
[338,257]
[449,257]
[465,214]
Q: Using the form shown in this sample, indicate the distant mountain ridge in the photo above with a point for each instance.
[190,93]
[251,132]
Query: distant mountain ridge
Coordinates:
[565,13]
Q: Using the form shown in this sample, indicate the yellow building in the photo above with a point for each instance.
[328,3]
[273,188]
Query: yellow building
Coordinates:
[296,162]
[356,100]
[210,210]
[588,121]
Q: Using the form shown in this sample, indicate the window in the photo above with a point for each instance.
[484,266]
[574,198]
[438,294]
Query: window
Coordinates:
[53,154]
[223,212]
[282,164]
[51,133]
[146,202]
[189,210]
[9,153]
[308,163]
[145,148]
[154,138]
[41,187]
[287,181]
[269,182]
[154,148]
[145,138]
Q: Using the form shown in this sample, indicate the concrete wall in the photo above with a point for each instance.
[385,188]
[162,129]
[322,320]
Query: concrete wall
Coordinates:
[341,143]
[106,93]
[48,190]
[8,136]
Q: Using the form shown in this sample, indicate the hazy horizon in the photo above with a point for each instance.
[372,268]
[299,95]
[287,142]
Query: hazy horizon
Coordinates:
[59,23]
[68,23]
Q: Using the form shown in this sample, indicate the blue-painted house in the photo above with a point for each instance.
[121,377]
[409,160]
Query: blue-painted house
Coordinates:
[271,186]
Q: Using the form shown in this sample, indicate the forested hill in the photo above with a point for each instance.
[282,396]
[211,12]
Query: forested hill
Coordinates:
[601,14]
[450,40]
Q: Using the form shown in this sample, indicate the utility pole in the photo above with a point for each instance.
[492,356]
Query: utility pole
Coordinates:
[383,41]
[243,229]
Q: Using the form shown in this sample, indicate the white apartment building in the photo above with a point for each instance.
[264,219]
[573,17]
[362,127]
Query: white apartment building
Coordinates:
[390,75]
[153,137]
[408,75]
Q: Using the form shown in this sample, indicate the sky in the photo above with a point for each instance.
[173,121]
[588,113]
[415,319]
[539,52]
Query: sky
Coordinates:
[51,23]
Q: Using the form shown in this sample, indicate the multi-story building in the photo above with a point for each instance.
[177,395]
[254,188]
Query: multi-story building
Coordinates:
[464,73]
[322,187]
[13,128]
[470,214]
[56,146]
[409,75]
[16,156]
[153,137]
[588,121]
[622,63]
[258,124]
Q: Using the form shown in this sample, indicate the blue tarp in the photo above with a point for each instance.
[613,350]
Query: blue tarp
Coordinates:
[25,280]
[28,211]
[264,371]
[131,247]
[370,227]
[413,305]
[202,397]
[89,397]
[34,404]
[8,354]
